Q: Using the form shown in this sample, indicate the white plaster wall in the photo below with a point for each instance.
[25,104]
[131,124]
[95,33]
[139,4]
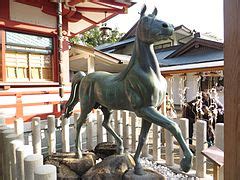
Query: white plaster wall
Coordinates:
[176,98]
[221,96]
[29,14]
[192,84]
[75,27]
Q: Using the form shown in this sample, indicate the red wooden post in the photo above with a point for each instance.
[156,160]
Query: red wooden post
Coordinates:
[55,109]
[2,34]
[19,106]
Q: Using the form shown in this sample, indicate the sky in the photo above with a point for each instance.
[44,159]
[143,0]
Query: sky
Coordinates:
[205,16]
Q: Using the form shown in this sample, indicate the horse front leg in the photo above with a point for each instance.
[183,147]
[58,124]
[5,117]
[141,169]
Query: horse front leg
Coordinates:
[153,116]
[142,139]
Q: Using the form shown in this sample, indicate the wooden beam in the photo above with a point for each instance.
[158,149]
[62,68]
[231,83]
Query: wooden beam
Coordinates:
[79,56]
[26,27]
[103,10]
[232,85]
[217,68]
[90,64]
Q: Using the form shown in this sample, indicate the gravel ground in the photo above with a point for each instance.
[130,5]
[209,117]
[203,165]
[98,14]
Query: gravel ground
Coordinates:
[171,175]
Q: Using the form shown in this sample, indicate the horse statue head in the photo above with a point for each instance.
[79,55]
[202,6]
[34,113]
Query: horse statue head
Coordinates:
[150,29]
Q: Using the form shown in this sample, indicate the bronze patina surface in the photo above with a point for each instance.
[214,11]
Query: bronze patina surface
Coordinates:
[139,88]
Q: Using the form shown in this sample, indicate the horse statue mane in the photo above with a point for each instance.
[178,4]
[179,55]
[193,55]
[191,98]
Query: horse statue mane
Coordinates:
[140,88]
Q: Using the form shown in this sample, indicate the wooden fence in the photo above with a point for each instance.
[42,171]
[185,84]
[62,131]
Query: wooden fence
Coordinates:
[21,159]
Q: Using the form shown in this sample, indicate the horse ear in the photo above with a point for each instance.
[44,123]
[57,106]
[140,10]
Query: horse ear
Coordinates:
[143,10]
[155,11]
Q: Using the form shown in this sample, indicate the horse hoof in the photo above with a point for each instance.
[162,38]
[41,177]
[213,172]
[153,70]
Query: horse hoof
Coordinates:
[186,163]
[138,170]
[78,154]
[120,150]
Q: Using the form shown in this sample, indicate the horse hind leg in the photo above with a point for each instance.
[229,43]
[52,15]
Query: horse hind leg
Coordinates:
[106,124]
[81,120]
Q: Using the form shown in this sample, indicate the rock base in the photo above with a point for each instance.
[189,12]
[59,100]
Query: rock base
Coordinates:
[69,166]
[105,149]
[150,175]
[112,167]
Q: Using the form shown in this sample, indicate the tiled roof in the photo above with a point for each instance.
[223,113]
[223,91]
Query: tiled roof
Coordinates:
[196,51]
[106,47]
[131,33]
[193,56]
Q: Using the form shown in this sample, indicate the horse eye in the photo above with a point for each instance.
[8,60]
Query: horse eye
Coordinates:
[145,19]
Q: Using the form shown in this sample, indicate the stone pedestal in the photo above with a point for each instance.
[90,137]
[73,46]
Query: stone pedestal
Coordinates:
[69,166]
[112,167]
[149,175]
[30,164]
[105,149]
[45,172]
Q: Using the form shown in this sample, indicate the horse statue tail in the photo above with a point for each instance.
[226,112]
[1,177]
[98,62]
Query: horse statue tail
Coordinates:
[74,96]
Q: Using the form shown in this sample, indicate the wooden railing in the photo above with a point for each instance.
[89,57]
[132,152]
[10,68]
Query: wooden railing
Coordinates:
[19,105]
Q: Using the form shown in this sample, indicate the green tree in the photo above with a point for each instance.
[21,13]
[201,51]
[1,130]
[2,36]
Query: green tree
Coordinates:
[94,37]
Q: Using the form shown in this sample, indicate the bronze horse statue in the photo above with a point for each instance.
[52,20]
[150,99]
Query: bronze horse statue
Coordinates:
[139,88]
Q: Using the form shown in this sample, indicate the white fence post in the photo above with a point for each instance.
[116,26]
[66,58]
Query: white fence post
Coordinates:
[19,128]
[219,134]
[145,149]
[65,135]
[12,156]
[20,163]
[21,153]
[2,128]
[5,151]
[219,142]
[8,139]
[51,134]
[2,120]
[156,142]
[89,131]
[118,122]
[36,135]
[201,144]
[134,137]
[45,172]
[99,127]
[125,121]
[76,115]
[169,148]
[30,163]
[183,124]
